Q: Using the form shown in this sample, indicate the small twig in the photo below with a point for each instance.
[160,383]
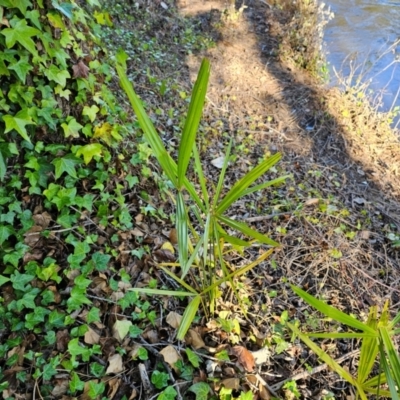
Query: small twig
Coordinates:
[373,279]
[267,4]
[270,389]
[147,386]
[306,374]
[101,299]
[90,220]
[36,388]
[156,353]
[213,358]
[264,217]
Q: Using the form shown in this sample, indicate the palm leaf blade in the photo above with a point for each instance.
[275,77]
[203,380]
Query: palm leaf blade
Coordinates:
[246,230]
[333,313]
[188,317]
[239,188]
[192,120]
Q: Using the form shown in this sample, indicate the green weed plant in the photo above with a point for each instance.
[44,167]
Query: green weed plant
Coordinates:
[376,336]
[201,245]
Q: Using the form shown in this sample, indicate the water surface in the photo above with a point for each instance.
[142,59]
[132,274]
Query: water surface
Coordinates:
[362,34]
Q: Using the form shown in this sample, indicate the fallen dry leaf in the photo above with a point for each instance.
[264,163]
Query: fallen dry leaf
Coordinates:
[261,356]
[231,383]
[164,255]
[116,296]
[194,339]
[4,21]
[245,358]
[32,236]
[218,162]
[91,336]
[359,200]
[174,319]
[263,392]
[151,336]
[364,235]
[34,255]
[311,202]
[124,286]
[135,350]
[173,236]
[62,340]
[60,388]
[168,246]
[171,356]
[80,70]
[113,386]
[42,219]
[137,232]
[116,365]
[212,367]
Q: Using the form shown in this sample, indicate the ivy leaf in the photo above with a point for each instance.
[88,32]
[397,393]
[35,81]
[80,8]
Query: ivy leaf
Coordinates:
[62,93]
[100,261]
[3,68]
[76,349]
[72,128]
[201,390]
[246,395]
[57,75]
[121,329]
[103,18]
[89,151]
[107,132]
[47,114]
[168,394]
[34,17]
[93,315]
[3,280]
[91,112]
[22,34]
[21,68]
[95,389]
[64,8]
[103,132]
[159,379]
[75,384]
[66,164]
[18,123]
[77,299]
[193,358]
[55,20]
[93,3]
[22,5]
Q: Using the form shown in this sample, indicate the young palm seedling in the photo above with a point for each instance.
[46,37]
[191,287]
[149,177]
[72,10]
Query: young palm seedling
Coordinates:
[376,339]
[201,245]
